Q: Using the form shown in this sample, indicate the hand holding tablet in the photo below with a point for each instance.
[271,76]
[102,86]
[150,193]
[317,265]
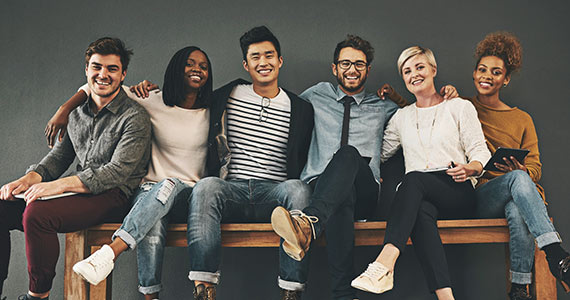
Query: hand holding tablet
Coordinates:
[518,154]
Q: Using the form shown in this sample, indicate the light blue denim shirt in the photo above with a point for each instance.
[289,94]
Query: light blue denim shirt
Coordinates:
[368,117]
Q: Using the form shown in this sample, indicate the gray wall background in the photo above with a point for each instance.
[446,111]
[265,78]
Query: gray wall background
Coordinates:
[41,61]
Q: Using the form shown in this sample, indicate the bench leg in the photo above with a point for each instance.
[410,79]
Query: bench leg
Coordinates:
[74,288]
[508,268]
[102,291]
[544,283]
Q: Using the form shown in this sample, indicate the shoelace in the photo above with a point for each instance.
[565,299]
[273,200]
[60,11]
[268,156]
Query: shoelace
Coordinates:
[97,262]
[564,265]
[375,271]
[519,294]
[312,219]
[290,295]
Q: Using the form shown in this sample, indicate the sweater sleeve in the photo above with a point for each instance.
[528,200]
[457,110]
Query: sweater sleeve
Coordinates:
[530,141]
[471,135]
[398,99]
[391,141]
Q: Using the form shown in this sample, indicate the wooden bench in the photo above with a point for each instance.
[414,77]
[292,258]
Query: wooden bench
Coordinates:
[79,245]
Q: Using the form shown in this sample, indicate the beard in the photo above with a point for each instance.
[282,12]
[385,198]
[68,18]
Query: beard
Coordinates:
[350,89]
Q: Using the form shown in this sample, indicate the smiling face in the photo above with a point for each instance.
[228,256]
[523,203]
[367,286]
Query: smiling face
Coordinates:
[351,80]
[263,63]
[418,74]
[490,75]
[196,70]
[104,75]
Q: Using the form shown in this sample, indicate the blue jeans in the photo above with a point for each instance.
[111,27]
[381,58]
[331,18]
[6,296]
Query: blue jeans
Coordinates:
[515,197]
[215,201]
[145,226]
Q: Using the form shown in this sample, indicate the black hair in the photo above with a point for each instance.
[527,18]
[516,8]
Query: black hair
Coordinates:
[357,43]
[256,35]
[173,91]
[107,46]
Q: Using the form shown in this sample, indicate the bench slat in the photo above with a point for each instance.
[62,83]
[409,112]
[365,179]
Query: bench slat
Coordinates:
[366,233]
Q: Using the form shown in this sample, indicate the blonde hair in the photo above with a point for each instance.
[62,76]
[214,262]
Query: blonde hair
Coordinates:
[413,51]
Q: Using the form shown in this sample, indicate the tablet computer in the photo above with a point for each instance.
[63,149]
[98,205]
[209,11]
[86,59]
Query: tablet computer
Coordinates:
[436,170]
[501,152]
[65,194]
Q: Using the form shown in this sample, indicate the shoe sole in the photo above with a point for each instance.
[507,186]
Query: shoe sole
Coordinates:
[383,289]
[564,286]
[283,226]
[77,270]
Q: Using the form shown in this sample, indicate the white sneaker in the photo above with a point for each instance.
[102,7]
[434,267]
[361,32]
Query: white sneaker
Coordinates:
[97,266]
[376,279]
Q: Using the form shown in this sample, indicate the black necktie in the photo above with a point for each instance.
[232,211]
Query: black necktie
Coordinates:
[345,120]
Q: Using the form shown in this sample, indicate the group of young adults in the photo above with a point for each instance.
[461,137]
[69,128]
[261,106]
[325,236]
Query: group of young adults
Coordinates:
[254,152]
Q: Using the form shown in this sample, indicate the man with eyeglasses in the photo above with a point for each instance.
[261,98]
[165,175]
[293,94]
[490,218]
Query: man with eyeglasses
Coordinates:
[258,148]
[343,168]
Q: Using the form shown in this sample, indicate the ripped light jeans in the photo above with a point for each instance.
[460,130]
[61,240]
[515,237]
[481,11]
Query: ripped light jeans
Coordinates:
[515,197]
[145,226]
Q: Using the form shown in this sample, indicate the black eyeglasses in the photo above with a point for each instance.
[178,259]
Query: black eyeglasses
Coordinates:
[263,113]
[345,64]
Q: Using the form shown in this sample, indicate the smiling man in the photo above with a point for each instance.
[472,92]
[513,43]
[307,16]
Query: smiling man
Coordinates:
[110,136]
[258,147]
[343,168]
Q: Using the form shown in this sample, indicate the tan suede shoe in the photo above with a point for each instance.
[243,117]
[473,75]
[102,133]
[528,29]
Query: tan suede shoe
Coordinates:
[296,229]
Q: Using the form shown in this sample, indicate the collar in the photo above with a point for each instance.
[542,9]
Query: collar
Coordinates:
[112,106]
[357,98]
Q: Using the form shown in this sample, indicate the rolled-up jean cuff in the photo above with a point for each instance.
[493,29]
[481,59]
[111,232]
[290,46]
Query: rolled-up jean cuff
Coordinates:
[147,290]
[204,276]
[126,237]
[290,285]
[548,238]
[521,278]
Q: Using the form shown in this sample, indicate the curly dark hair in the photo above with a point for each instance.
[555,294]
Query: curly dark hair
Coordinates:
[503,45]
[357,43]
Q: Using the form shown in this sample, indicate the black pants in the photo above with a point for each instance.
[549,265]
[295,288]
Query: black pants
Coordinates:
[345,191]
[421,199]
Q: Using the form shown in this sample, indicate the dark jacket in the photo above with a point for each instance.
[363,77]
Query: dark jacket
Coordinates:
[300,128]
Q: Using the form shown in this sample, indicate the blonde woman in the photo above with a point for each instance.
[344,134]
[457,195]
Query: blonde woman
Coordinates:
[432,133]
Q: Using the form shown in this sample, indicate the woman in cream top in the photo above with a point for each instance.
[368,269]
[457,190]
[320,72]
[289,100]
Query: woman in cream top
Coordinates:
[180,121]
[433,133]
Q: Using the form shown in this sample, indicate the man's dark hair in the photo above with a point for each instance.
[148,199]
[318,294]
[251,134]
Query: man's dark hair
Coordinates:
[357,43]
[174,82]
[257,35]
[107,46]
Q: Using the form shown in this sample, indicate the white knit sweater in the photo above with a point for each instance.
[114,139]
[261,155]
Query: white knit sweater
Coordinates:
[456,135]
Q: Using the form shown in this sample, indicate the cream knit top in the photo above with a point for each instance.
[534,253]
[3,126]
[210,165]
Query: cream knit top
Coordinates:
[434,136]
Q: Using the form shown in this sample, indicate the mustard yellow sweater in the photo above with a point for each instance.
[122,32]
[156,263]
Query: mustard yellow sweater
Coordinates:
[510,128]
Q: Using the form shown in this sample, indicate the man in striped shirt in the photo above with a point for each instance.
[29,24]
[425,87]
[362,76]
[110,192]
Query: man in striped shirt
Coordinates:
[258,149]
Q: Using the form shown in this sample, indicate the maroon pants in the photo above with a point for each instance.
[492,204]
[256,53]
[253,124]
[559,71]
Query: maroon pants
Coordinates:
[42,220]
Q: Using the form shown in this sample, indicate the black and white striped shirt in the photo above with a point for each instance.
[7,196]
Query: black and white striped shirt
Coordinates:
[258,131]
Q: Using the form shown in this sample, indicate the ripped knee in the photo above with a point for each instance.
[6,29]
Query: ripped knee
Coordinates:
[165,190]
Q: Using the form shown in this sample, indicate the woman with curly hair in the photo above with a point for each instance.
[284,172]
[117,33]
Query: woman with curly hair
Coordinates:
[513,191]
